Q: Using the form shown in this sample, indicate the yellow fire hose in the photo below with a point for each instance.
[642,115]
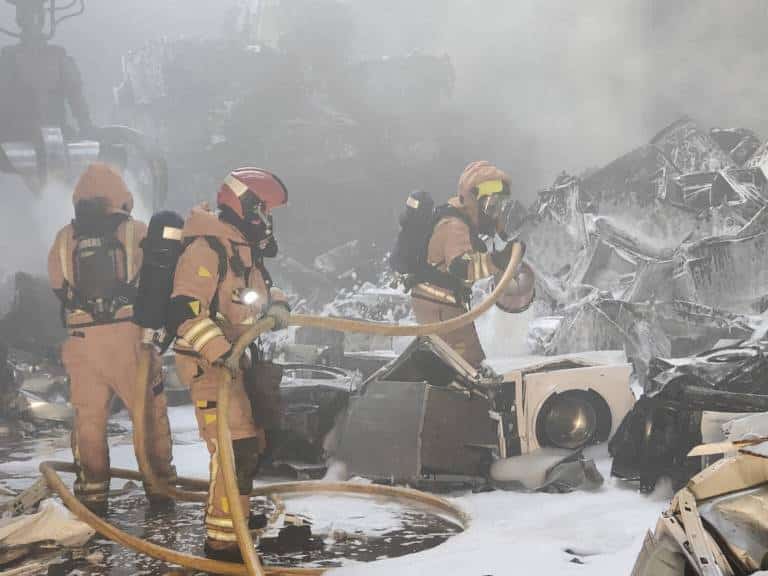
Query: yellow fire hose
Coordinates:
[252,565]
[158,484]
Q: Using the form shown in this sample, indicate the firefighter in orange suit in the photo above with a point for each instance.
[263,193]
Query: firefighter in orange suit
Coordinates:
[460,257]
[220,286]
[93,268]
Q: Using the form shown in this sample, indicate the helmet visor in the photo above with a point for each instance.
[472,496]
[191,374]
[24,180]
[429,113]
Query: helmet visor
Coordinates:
[496,206]
[492,188]
[254,210]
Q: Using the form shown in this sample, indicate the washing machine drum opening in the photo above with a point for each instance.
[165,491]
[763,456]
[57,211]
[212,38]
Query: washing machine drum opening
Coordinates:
[567,421]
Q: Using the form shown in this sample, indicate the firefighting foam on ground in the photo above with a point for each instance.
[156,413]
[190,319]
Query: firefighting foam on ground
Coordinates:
[357,287]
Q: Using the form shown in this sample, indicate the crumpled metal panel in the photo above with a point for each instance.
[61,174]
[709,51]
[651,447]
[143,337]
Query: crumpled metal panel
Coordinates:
[430,359]
[654,282]
[759,160]
[646,330]
[605,267]
[639,177]
[637,195]
[741,520]
[739,143]
[659,556]
[741,189]
[736,369]
[549,246]
[691,149]
[556,234]
[693,189]
[380,437]
[730,274]
[607,324]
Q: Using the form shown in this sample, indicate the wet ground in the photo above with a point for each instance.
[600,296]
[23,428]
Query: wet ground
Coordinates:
[347,529]
[181,529]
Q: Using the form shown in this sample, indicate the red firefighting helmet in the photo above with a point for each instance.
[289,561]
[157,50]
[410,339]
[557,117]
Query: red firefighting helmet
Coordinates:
[260,184]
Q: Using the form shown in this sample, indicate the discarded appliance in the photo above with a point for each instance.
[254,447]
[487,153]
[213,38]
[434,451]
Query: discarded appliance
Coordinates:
[656,436]
[313,397]
[718,524]
[728,273]
[402,424]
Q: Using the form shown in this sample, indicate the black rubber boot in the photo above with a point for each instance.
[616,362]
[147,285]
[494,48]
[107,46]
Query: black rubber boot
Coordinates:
[98,507]
[223,551]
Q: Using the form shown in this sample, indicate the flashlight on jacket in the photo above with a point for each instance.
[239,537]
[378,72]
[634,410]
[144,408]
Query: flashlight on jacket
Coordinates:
[250,297]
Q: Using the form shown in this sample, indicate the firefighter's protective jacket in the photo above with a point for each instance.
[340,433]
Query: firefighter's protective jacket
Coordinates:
[98,181]
[215,301]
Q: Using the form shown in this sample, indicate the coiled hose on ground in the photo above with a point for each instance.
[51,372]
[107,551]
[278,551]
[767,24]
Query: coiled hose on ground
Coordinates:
[181,488]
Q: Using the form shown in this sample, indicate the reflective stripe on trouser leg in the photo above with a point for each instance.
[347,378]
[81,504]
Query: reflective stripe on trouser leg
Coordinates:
[203,382]
[95,491]
[92,491]
[218,521]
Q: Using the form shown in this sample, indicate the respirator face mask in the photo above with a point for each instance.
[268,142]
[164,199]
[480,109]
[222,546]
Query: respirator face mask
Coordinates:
[258,223]
[494,203]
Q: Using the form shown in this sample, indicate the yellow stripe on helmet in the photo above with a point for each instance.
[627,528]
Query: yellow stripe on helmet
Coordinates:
[489,188]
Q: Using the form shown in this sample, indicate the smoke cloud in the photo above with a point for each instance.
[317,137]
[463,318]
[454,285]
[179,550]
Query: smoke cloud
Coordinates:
[571,85]
[543,85]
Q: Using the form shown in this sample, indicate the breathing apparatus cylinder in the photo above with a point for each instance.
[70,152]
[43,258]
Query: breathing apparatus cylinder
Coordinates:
[162,248]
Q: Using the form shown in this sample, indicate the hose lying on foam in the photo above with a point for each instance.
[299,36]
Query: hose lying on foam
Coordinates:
[226,456]
[50,471]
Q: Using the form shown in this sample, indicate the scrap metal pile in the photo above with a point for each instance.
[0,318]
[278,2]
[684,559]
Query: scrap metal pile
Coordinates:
[662,251]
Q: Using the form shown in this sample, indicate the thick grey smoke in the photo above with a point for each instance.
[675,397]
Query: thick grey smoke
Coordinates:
[570,84]
[97,40]
[545,85]
[575,84]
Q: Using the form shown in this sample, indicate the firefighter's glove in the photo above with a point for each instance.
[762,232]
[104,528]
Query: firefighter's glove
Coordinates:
[228,361]
[280,312]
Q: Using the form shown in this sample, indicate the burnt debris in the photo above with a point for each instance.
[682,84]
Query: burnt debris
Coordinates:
[662,254]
